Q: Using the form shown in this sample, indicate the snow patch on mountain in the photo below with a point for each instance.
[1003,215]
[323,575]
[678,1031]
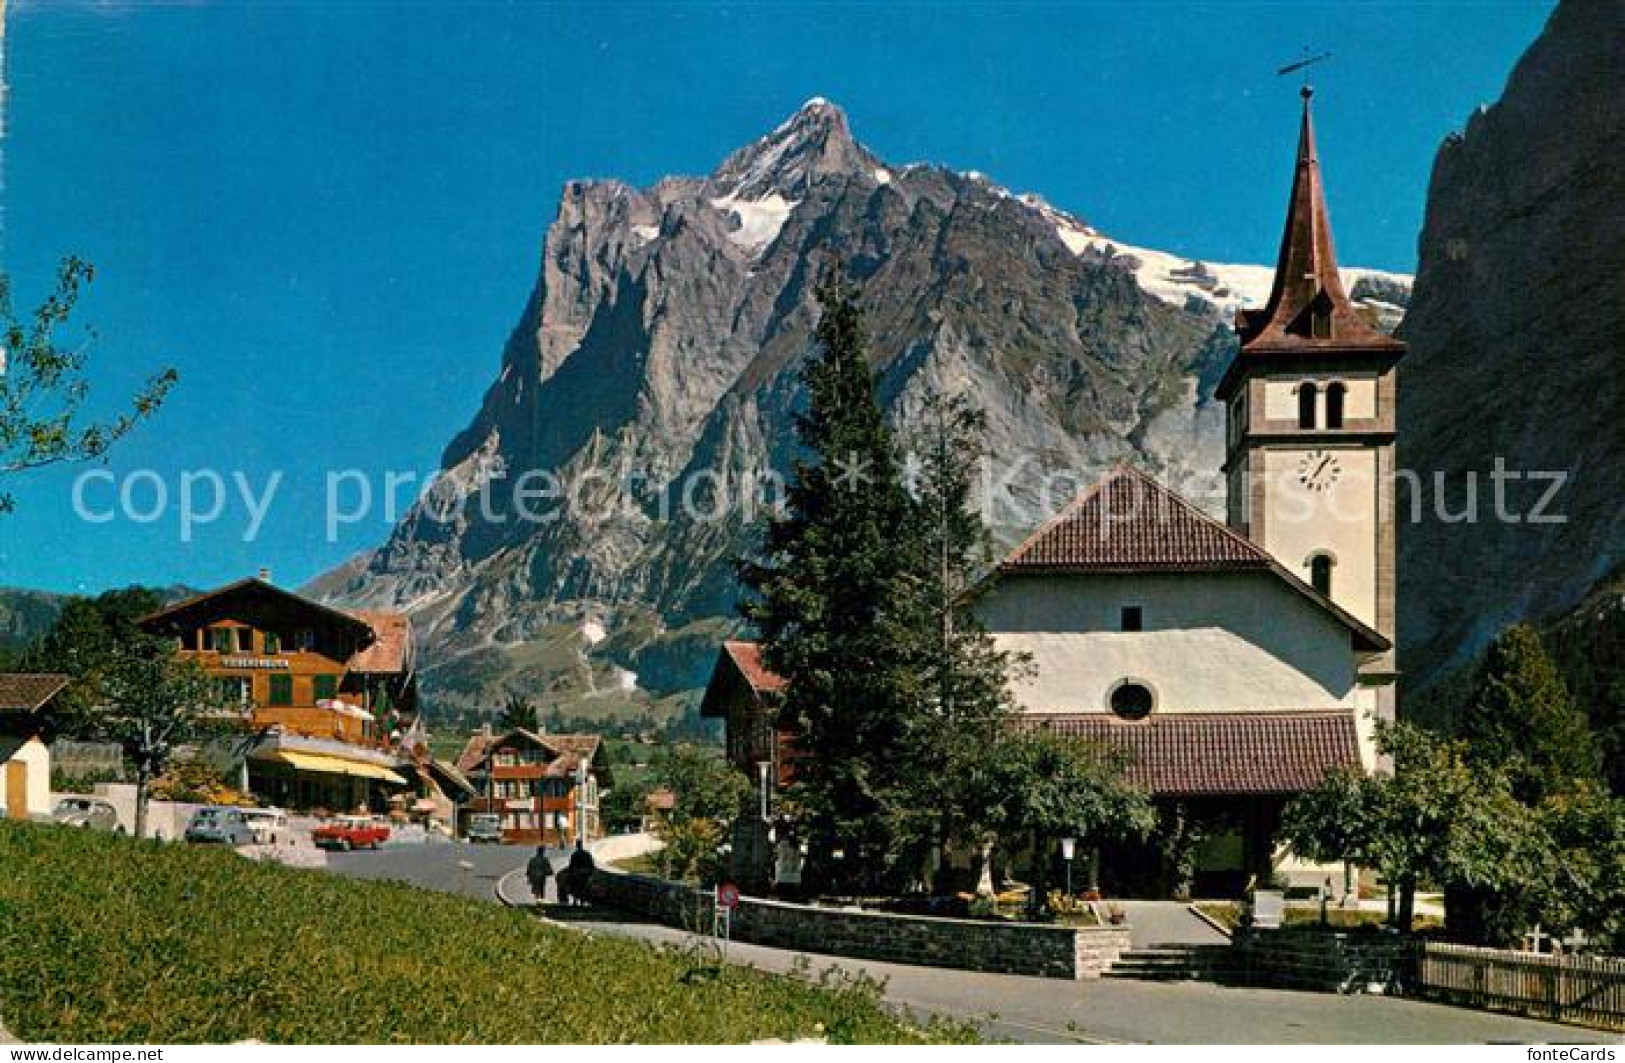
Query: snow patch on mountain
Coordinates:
[760,220]
[1175,279]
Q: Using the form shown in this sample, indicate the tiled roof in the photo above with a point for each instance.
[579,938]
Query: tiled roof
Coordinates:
[391,650]
[569,749]
[1129,521]
[474,751]
[1195,753]
[747,657]
[25,692]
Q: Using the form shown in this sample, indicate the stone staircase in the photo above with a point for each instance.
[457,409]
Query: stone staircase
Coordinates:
[1173,963]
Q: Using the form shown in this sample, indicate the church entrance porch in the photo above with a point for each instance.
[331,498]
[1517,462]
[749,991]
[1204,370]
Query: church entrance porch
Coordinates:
[1203,847]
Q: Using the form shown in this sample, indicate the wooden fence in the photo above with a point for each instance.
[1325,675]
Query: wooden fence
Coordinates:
[1588,990]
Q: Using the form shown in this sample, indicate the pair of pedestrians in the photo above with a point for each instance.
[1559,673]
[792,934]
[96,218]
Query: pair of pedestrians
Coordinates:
[572,881]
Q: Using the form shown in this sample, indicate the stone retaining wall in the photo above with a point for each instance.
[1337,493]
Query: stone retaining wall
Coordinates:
[1046,950]
[1320,960]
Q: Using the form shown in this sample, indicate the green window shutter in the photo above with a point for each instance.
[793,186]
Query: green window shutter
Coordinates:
[282,690]
[327,687]
[273,642]
[220,638]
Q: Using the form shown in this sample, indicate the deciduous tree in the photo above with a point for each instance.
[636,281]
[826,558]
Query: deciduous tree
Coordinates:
[152,703]
[43,385]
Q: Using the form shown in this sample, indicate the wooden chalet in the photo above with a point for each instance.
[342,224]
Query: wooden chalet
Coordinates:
[545,787]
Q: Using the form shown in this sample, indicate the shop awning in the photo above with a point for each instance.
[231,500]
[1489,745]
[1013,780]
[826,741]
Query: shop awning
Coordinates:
[320,762]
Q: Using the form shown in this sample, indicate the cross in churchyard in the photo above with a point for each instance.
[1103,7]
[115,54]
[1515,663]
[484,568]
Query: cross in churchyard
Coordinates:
[1533,938]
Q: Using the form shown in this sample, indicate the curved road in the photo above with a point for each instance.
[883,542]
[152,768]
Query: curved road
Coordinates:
[1018,1008]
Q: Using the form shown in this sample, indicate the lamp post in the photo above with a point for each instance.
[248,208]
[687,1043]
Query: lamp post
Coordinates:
[1069,847]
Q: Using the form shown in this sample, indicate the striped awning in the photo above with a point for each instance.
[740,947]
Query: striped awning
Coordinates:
[329,765]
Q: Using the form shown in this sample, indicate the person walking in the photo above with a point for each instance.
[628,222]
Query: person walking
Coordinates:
[537,872]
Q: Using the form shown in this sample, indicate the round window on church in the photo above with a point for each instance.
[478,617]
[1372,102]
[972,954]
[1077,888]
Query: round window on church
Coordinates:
[1131,700]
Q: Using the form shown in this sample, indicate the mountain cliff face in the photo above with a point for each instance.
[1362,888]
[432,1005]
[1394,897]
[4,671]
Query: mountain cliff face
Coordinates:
[1516,329]
[582,537]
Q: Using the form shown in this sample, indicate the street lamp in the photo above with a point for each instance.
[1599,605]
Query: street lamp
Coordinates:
[1069,846]
[762,768]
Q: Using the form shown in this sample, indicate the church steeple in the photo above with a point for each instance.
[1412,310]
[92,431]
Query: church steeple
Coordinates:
[1308,306]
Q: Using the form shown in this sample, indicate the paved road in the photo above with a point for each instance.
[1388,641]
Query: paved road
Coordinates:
[434,866]
[1030,1009]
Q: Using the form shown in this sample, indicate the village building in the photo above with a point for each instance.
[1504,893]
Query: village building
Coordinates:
[545,787]
[322,694]
[1235,663]
[25,757]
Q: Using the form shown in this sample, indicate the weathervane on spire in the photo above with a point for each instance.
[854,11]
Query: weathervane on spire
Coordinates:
[1304,64]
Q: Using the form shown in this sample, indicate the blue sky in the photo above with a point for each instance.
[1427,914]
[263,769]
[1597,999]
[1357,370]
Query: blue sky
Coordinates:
[328,216]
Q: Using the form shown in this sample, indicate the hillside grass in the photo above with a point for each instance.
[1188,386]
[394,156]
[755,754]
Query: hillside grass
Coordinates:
[107,939]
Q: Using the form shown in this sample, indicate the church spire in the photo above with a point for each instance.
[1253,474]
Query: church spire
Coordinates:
[1308,306]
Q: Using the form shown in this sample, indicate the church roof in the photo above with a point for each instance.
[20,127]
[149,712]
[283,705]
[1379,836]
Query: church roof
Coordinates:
[1209,753]
[1308,308]
[1129,523]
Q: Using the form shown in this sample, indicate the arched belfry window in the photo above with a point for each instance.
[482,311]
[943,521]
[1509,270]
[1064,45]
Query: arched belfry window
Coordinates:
[1320,574]
[1307,394]
[1335,392]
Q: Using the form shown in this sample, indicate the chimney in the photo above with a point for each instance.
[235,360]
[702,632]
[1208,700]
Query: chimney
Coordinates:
[265,575]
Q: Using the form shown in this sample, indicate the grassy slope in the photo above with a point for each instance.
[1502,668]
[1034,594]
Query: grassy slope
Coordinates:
[104,939]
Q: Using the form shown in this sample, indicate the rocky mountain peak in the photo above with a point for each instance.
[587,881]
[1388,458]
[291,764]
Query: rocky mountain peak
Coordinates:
[812,144]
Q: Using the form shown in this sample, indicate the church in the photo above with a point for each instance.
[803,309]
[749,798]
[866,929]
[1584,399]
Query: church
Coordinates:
[1237,662]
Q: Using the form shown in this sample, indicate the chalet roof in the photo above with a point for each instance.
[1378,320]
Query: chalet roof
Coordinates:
[254,587]
[391,649]
[1129,523]
[1211,753]
[1307,285]
[28,691]
[568,749]
[747,657]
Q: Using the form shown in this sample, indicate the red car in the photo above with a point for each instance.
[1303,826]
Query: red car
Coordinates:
[350,832]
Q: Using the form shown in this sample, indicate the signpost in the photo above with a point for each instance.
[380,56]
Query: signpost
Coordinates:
[725,898]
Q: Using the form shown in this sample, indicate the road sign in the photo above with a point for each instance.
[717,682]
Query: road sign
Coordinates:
[727,895]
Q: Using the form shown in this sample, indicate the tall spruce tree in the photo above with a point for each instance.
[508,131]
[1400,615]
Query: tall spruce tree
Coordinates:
[1521,719]
[831,594]
[1521,722]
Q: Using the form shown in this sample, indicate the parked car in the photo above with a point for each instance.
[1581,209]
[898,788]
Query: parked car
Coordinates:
[350,832]
[270,825]
[90,812]
[219,825]
[485,827]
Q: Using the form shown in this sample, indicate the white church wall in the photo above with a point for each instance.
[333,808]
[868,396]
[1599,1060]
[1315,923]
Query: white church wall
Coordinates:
[1212,642]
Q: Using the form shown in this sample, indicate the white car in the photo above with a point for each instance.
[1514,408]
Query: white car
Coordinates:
[268,825]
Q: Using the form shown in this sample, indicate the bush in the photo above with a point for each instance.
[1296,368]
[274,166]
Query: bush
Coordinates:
[108,939]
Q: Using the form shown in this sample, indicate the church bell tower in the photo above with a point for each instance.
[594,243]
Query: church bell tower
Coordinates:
[1311,424]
